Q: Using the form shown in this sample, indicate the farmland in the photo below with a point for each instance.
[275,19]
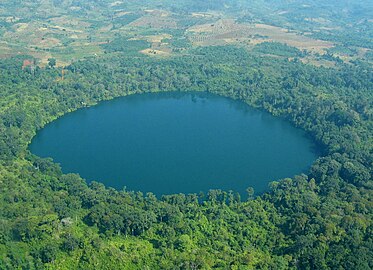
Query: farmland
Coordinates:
[81,31]
[228,31]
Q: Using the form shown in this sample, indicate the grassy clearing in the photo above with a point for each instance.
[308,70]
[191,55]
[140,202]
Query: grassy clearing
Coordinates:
[155,20]
[154,52]
[157,38]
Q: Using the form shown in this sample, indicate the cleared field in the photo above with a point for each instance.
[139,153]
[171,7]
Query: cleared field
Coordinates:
[67,36]
[154,52]
[155,21]
[157,12]
[228,31]
[318,62]
[121,13]
[116,3]
[157,38]
[69,23]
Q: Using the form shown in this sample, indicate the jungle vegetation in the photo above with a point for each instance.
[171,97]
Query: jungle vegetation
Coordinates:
[319,220]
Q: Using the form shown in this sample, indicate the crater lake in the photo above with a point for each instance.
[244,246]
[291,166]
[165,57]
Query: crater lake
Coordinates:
[176,142]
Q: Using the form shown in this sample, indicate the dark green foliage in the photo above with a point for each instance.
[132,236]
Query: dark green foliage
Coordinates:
[52,62]
[322,220]
[126,45]
[343,50]
[279,49]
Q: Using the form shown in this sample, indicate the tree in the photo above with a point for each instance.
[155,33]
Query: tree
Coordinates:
[52,62]
[49,253]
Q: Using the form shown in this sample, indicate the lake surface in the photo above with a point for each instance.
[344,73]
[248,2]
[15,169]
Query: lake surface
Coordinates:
[176,142]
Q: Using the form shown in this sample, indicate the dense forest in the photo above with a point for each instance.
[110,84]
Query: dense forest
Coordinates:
[322,220]
[308,62]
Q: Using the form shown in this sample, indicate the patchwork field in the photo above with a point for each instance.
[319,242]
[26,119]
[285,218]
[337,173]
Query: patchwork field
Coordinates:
[67,37]
[228,31]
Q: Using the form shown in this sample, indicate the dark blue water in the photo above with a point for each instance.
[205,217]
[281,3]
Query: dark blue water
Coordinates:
[176,143]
